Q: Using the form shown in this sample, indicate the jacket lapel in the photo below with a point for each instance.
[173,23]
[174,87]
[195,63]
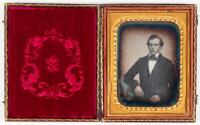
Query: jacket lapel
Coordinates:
[147,65]
[157,66]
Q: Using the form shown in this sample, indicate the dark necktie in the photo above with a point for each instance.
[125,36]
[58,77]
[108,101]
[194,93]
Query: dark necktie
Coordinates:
[153,57]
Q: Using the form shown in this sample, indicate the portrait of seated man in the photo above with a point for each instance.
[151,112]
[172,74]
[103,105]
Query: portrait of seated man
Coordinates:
[157,77]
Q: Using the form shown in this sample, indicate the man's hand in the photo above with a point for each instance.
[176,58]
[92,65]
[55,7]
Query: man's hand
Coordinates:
[139,91]
[155,98]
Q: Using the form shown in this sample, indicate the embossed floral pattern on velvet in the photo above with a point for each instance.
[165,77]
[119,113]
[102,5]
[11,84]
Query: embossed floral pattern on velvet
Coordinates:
[42,56]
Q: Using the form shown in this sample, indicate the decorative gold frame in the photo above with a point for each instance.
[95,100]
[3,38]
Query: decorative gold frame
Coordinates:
[99,75]
[184,16]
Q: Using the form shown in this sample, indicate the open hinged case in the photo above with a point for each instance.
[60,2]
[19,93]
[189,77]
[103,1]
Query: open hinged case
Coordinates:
[131,62]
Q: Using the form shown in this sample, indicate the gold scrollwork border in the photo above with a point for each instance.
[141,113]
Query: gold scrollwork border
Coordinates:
[114,60]
[183,15]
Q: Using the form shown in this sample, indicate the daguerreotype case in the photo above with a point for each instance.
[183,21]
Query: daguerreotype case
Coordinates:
[117,62]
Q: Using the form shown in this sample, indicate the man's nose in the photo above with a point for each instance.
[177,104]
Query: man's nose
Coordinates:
[153,46]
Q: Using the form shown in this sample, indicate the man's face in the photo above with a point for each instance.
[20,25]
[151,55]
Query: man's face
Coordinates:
[154,46]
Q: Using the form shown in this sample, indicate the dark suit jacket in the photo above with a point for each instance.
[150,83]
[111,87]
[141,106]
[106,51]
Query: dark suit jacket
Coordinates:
[160,82]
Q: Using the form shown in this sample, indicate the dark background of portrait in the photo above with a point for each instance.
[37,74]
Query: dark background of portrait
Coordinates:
[132,45]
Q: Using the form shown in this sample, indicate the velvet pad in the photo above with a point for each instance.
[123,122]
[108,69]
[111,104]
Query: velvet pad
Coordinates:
[51,62]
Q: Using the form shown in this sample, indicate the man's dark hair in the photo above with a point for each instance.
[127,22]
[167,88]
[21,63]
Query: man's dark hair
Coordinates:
[155,37]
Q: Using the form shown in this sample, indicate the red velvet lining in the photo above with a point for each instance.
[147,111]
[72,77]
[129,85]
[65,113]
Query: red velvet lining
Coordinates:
[52,62]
